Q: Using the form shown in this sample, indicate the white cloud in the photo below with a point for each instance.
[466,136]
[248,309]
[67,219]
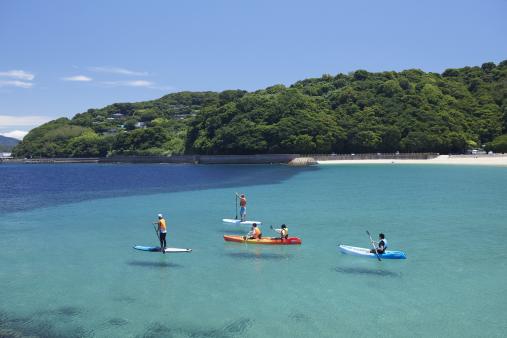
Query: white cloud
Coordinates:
[15,83]
[29,120]
[139,83]
[18,74]
[117,70]
[18,134]
[78,78]
[134,83]
[16,78]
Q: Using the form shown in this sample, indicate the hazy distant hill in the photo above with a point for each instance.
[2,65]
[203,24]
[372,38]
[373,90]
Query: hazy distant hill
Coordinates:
[359,112]
[7,143]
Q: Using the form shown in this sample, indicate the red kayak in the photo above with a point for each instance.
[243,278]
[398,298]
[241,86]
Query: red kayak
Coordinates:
[264,240]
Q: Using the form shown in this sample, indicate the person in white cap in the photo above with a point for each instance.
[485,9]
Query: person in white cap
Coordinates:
[162,232]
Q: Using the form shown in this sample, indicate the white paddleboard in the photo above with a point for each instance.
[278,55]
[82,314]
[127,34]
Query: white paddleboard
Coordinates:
[157,249]
[238,222]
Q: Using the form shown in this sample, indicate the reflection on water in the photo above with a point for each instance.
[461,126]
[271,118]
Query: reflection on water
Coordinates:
[365,271]
[258,255]
[150,264]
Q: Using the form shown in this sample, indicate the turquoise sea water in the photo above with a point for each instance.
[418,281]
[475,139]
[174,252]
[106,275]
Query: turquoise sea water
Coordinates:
[67,267]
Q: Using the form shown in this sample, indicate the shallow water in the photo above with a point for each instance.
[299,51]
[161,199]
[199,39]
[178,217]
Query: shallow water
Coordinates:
[68,267]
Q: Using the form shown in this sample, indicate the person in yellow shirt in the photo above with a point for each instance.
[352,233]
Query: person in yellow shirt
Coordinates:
[161,232]
[255,233]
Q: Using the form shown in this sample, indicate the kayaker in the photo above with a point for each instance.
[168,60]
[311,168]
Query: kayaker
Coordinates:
[283,231]
[255,232]
[242,204]
[162,232]
[381,244]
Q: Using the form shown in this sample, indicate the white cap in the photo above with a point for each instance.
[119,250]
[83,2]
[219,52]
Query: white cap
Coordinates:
[160,216]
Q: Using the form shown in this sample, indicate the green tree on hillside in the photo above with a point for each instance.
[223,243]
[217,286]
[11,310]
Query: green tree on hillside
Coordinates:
[410,111]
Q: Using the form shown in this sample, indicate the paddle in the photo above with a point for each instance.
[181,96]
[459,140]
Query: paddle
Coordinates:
[158,236]
[248,235]
[374,248]
[271,227]
[156,231]
[236,205]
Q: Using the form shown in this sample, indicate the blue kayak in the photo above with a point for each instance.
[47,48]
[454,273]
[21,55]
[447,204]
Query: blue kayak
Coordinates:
[363,252]
[157,249]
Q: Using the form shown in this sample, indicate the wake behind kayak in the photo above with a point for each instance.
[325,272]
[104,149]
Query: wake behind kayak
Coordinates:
[363,252]
[157,249]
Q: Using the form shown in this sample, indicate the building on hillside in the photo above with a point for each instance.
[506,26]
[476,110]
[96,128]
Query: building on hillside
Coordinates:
[6,155]
[476,152]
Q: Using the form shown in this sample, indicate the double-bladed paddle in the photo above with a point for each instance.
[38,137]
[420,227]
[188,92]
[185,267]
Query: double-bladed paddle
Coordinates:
[374,248]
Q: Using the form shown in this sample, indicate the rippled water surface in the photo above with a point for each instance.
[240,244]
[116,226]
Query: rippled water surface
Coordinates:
[68,268]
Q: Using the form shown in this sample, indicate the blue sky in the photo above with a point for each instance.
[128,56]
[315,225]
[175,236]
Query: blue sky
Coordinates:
[59,58]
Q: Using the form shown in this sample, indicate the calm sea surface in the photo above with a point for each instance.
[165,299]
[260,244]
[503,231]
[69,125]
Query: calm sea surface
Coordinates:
[67,267]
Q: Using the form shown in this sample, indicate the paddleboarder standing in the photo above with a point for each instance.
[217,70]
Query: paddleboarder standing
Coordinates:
[242,204]
[162,232]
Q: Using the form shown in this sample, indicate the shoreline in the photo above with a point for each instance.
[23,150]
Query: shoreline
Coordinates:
[288,159]
[481,160]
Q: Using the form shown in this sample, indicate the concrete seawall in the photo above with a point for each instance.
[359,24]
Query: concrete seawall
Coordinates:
[189,159]
[291,159]
[204,159]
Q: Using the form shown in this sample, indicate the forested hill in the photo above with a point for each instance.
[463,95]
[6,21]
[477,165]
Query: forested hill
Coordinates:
[7,143]
[408,111]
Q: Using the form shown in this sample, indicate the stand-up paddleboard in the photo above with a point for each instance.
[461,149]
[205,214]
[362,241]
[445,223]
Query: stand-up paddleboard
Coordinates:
[238,222]
[157,249]
[363,252]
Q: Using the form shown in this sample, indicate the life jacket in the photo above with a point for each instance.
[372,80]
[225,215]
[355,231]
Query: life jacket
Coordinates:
[285,233]
[385,243]
[257,233]
[162,225]
[242,202]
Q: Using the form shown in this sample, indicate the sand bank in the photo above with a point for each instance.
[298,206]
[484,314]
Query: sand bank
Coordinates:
[491,160]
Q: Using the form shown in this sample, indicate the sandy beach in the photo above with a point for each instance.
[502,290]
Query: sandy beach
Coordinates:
[490,160]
